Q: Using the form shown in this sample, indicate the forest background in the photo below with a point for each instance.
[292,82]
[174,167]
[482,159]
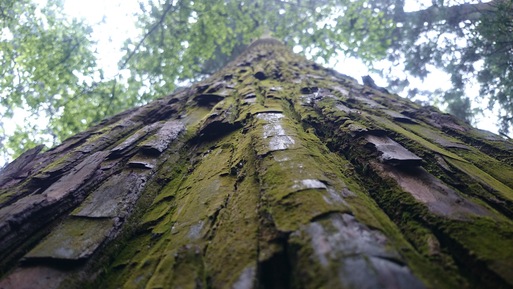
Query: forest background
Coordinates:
[68,64]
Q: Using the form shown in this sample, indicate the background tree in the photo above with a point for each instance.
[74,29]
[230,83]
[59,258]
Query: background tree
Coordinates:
[471,42]
[272,173]
[49,69]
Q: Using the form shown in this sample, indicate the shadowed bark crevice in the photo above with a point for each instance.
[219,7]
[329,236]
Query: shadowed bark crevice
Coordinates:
[275,272]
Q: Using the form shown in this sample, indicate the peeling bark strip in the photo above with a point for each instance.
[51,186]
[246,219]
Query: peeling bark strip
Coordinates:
[272,173]
[358,254]
[74,239]
[393,153]
[17,167]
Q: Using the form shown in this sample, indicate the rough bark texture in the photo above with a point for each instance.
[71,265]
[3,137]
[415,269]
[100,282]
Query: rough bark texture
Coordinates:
[273,173]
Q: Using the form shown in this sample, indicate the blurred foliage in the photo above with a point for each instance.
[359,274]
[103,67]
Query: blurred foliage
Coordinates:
[191,39]
[472,42]
[49,62]
[48,67]
[493,41]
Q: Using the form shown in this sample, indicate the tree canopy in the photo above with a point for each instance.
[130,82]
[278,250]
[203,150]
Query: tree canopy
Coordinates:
[50,67]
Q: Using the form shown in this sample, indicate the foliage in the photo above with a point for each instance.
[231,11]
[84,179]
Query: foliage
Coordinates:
[493,40]
[473,43]
[50,66]
[49,69]
[191,39]
[470,41]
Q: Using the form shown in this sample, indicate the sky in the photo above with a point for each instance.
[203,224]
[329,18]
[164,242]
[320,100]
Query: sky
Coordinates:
[113,22]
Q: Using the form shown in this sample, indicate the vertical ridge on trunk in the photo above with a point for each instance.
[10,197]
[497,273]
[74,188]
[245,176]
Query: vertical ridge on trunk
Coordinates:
[272,173]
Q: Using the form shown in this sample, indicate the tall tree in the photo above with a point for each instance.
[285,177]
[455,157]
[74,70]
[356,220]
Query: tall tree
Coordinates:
[471,41]
[273,173]
[189,40]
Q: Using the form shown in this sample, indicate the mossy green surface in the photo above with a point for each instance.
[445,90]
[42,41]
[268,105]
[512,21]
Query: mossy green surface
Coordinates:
[236,199]
[74,238]
[482,177]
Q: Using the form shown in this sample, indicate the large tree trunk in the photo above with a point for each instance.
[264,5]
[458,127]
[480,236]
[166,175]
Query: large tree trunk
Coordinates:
[273,173]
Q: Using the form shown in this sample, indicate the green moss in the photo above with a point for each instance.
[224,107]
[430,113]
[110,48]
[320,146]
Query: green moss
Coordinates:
[492,166]
[307,273]
[436,271]
[484,245]
[157,212]
[430,134]
[496,169]
[180,215]
[410,217]
[419,140]
[194,115]
[300,208]
[59,164]
[223,208]
[180,268]
[482,177]
[73,238]
[233,241]
[126,256]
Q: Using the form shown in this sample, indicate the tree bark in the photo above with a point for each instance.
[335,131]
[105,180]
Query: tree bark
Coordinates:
[272,173]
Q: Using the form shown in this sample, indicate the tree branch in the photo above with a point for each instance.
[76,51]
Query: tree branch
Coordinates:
[451,14]
[153,28]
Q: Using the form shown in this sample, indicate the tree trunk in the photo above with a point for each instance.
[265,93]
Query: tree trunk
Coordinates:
[272,173]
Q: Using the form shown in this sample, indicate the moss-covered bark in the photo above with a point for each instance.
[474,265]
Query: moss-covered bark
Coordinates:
[273,173]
